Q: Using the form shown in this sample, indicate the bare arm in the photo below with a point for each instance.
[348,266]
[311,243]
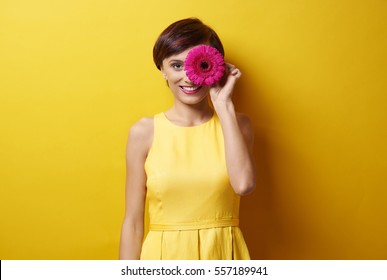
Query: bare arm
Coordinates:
[139,141]
[238,136]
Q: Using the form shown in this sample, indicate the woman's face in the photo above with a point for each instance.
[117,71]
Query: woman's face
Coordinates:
[182,88]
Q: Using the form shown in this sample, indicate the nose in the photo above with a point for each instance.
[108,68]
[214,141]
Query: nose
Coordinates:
[186,80]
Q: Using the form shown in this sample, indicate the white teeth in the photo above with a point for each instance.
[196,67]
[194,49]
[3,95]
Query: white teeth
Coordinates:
[190,88]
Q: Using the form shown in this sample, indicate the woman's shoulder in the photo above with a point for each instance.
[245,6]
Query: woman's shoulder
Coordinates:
[246,126]
[142,126]
[243,119]
[141,132]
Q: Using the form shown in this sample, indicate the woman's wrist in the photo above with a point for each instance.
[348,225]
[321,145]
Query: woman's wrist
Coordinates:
[224,108]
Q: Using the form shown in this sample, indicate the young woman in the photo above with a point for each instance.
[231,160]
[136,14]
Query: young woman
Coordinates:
[192,162]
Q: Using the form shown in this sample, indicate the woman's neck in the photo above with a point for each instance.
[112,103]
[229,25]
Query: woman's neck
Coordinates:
[190,115]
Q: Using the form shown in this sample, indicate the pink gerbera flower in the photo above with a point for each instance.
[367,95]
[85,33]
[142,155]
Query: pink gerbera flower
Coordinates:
[204,65]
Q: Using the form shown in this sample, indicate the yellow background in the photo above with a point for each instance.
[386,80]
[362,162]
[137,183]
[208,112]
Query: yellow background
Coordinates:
[76,74]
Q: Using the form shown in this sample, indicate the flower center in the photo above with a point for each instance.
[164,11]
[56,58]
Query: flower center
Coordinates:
[204,65]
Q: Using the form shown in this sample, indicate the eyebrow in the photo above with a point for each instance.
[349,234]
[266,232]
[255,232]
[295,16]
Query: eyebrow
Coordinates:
[175,60]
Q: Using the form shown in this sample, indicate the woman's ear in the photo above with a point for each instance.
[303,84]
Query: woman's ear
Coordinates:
[164,75]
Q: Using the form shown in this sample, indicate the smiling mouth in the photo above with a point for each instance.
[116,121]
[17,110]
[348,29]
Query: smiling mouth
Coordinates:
[191,89]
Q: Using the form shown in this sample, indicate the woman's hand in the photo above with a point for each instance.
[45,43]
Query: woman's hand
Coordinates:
[221,93]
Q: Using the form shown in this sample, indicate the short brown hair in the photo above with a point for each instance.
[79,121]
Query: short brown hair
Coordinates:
[182,35]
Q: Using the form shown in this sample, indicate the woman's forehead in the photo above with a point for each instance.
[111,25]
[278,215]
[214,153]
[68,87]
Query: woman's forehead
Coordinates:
[179,56]
[182,55]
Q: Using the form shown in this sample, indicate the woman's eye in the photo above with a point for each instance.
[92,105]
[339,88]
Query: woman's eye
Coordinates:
[177,66]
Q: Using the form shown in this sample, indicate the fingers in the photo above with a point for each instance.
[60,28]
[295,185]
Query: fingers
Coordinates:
[233,70]
[230,76]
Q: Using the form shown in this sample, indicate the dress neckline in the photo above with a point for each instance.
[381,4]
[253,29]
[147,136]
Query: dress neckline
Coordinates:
[190,126]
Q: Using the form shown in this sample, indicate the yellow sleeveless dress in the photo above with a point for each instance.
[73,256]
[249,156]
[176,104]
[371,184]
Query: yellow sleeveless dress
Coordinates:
[193,210]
